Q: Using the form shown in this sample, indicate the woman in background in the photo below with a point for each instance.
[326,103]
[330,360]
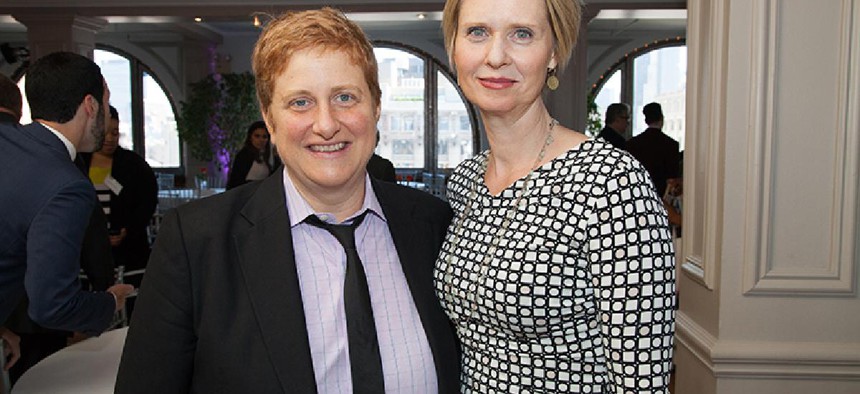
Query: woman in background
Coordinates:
[128,191]
[255,161]
[558,268]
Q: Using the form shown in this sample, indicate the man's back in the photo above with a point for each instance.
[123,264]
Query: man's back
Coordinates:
[46,205]
[658,153]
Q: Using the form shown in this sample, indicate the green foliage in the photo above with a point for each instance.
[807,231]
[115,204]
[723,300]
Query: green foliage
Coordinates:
[593,122]
[213,120]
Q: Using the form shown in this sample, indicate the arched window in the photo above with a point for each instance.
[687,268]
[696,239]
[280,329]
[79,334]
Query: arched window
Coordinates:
[146,112]
[425,126]
[656,72]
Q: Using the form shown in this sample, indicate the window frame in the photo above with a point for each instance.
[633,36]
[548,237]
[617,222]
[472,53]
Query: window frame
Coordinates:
[625,65]
[138,127]
[431,91]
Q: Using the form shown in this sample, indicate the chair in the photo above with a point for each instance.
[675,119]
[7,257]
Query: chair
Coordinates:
[166,181]
[120,319]
[154,225]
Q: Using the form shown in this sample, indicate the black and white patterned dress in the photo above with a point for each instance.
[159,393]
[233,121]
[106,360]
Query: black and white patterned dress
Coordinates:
[579,295]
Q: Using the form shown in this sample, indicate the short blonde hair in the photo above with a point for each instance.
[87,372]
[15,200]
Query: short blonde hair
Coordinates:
[326,29]
[564,18]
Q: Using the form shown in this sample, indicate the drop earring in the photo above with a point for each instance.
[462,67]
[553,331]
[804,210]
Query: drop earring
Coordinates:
[551,79]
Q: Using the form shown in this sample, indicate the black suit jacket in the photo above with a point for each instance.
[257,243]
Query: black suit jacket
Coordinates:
[611,136]
[220,309]
[381,168]
[47,204]
[659,154]
[96,262]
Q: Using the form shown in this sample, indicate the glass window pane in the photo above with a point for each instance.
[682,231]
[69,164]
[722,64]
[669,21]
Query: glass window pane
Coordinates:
[117,72]
[453,144]
[159,123]
[609,93]
[401,77]
[661,76]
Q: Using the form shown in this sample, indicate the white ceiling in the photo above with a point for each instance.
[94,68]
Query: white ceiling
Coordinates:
[616,29]
[234,16]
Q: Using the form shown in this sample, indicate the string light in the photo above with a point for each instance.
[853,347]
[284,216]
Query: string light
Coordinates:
[257,21]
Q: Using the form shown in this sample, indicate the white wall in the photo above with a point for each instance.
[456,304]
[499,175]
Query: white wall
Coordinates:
[769,300]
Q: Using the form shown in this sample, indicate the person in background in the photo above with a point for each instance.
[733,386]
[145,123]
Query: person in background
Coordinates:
[262,289]
[11,102]
[380,167]
[34,342]
[617,119]
[255,160]
[46,201]
[558,269]
[656,151]
[128,192]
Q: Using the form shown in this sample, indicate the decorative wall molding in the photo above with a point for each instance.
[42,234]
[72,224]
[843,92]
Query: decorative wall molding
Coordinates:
[707,43]
[763,273]
[695,339]
[768,360]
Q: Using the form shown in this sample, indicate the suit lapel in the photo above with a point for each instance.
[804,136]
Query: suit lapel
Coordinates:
[265,254]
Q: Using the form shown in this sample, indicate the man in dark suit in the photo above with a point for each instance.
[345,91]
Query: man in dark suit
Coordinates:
[10,114]
[47,202]
[655,150]
[245,293]
[37,342]
[617,119]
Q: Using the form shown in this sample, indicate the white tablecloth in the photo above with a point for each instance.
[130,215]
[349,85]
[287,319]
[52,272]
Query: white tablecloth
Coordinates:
[89,366]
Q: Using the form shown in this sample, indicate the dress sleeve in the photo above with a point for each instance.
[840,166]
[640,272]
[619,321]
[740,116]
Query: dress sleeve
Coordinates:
[633,272]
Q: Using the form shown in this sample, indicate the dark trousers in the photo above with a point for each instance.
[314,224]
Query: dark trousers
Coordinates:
[34,348]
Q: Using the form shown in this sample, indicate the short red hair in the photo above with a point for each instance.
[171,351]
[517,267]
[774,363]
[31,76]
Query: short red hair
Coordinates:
[326,29]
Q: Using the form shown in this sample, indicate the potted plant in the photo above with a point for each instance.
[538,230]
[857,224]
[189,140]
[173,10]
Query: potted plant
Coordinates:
[213,119]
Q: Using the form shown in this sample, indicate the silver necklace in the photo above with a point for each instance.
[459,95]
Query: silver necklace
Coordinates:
[472,293]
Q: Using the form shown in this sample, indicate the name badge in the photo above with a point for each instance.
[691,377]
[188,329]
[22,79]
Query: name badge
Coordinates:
[113,184]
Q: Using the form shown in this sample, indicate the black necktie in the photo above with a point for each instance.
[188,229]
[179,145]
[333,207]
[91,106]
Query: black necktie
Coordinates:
[364,359]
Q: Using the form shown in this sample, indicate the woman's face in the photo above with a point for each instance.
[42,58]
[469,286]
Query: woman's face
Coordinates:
[259,138]
[323,121]
[502,51]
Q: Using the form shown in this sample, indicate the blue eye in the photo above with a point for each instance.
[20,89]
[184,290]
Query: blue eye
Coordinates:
[523,34]
[300,103]
[343,98]
[476,32]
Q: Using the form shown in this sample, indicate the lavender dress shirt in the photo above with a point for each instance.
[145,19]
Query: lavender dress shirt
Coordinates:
[407,361]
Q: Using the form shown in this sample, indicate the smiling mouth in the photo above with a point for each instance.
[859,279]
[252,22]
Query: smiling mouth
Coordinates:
[497,83]
[328,148]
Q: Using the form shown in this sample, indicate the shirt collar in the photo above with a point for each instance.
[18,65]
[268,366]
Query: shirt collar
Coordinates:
[299,208]
[71,148]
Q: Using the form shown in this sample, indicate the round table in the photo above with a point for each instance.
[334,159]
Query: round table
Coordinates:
[89,366]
